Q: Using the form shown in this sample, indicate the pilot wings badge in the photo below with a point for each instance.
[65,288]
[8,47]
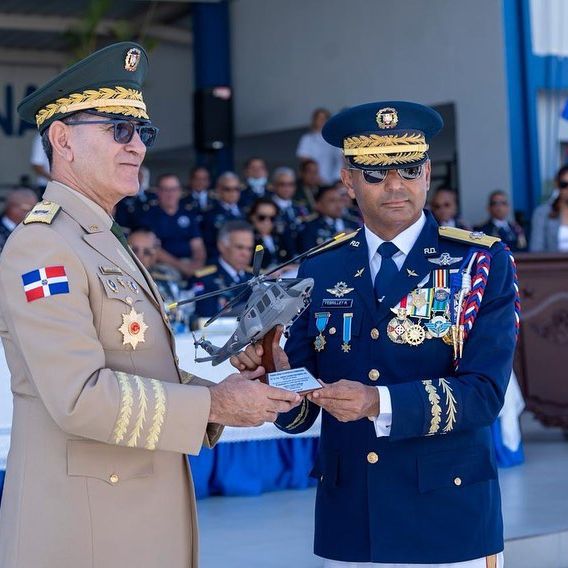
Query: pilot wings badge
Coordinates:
[340,289]
[445,259]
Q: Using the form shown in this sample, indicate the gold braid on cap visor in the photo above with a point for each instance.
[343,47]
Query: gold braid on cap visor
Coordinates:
[117,100]
[381,150]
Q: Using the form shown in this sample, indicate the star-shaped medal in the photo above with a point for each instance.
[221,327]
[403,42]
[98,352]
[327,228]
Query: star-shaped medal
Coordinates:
[133,328]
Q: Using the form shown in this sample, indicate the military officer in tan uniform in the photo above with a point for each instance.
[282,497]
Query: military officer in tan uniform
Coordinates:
[103,416]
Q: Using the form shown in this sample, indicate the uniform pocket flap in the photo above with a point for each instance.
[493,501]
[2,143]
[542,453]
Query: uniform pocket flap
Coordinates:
[455,468]
[113,464]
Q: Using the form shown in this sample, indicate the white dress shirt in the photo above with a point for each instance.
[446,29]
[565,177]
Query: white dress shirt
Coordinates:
[404,241]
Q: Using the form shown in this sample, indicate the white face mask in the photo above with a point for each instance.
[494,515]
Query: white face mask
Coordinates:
[257,183]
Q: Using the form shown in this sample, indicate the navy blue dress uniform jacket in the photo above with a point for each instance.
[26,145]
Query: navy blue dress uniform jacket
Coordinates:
[211,279]
[317,230]
[432,495]
[212,220]
[513,235]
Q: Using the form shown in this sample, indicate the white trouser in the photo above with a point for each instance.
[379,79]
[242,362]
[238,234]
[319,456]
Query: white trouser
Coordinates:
[477,563]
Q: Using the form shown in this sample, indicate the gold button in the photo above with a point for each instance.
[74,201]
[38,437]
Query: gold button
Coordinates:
[332,330]
[372,457]
[129,300]
[457,481]
[374,374]
[113,478]
[374,333]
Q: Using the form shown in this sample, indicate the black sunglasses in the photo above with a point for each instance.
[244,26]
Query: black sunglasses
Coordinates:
[124,130]
[378,176]
[562,184]
[265,217]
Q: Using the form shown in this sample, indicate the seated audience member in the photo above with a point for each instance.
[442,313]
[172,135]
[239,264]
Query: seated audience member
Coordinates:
[181,245]
[350,208]
[130,209]
[290,213]
[444,206]
[498,225]
[19,203]
[278,247]
[256,179]
[225,208]
[235,242]
[549,227]
[199,186]
[312,146]
[328,221]
[145,246]
[309,182]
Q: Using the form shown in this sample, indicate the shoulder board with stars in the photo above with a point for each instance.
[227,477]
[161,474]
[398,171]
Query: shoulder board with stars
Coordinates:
[339,241]
[43,212]
[469,237]
[206,271]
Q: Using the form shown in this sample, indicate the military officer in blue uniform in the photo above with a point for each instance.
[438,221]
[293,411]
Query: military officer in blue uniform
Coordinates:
[328,222]
[224,209]
[235,243]
[411,329]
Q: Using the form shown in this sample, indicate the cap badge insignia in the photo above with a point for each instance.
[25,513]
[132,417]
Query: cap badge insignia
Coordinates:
[340,289]
[387,117]
[133,328]
[132,59]
[445,259]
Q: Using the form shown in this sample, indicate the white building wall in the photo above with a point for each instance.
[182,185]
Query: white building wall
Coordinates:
[290,57]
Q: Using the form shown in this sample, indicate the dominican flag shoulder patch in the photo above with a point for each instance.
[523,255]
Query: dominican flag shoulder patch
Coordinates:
[46,281]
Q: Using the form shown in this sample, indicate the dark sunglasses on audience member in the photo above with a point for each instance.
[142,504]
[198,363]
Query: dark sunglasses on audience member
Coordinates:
[378,176]
[562,184]
[123,130]
[266,217]
[502,202]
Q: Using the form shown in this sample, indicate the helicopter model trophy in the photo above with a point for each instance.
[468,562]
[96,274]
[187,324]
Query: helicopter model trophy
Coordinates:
[272,302]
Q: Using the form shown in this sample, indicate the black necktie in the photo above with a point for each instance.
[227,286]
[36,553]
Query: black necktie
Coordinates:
[387,271]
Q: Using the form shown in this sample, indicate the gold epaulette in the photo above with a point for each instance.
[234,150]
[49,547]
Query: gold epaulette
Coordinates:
[43,212]
[339,240]
[470,237]
[206,271]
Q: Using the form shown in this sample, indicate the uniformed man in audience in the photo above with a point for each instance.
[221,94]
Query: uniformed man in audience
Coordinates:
[499,225]
[309,182]
[19,202]
[256,182]
[329,220]
[145,245]
[444,206]
[177,227]
[290,213]
[411,329]
[235,242]
[224,209]
[199,190]
[103,417]
[132,208]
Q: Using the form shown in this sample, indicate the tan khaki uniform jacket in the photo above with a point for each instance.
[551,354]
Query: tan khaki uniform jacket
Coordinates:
[96,473]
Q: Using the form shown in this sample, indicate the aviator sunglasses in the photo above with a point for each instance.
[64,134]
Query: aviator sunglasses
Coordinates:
[123,130]
[378,176]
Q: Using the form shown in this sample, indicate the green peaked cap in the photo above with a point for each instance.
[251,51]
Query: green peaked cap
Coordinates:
[109,80]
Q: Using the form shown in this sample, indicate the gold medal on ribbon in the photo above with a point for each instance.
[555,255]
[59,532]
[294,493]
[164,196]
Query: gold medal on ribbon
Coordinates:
[415,334]
[133,328]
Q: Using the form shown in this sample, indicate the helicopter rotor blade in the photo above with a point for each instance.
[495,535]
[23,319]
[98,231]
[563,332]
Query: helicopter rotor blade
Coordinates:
[257,259]
[205,296]
[226,307]
[304,254]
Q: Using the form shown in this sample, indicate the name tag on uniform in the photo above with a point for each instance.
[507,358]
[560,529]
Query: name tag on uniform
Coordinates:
[337,303]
